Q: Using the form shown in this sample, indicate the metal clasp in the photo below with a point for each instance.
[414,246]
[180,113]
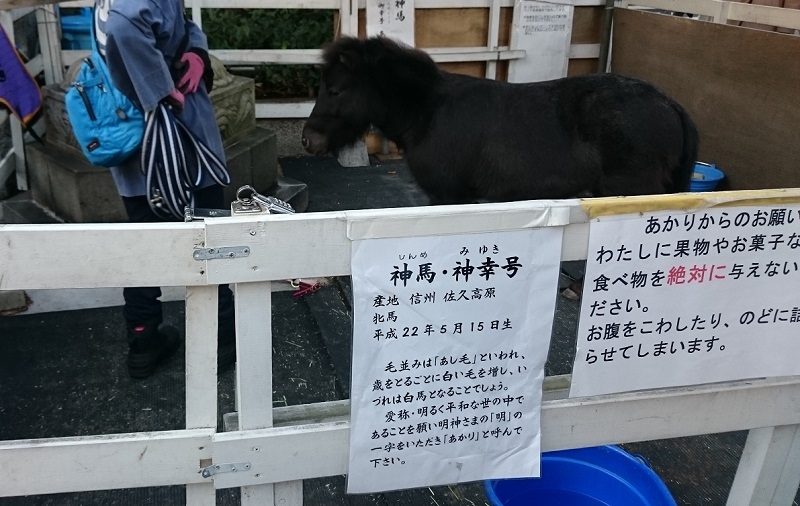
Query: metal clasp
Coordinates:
[222,252]
[225,468]
[249,201]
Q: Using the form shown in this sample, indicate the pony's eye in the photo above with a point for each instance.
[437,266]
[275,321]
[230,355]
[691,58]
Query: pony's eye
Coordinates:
[333,91]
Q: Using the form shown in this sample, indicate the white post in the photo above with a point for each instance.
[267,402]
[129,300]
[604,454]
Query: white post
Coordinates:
[254,383]
[50,43]
[493,37]
[201,378]
[355,155]
[769,470]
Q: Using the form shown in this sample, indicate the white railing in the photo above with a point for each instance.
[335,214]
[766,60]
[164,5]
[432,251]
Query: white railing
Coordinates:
[286,445]
[720,11]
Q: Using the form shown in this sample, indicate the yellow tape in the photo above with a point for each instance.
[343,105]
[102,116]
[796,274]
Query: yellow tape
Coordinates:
[610,206]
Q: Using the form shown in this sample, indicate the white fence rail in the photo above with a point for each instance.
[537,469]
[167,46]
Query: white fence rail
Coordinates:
[286,445]
[720,11]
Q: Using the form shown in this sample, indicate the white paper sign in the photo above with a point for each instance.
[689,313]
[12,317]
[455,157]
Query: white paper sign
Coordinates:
[678,298]
[544,31]
[391,18]
[450,339]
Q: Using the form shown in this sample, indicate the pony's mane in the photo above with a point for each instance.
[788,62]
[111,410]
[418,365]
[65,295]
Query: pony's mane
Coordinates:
[385,59]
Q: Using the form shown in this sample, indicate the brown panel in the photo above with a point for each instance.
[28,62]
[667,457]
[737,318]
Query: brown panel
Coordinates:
[506,20]
[451,27]
[582,66]
[587,25]
[502,71]
[739,85]
[471,68]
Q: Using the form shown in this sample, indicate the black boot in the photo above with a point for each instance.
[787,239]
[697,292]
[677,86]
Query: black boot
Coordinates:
[226,344]
[149,346]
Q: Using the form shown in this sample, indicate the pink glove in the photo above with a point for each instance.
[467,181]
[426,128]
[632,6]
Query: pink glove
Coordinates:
[192,74]
[176,100]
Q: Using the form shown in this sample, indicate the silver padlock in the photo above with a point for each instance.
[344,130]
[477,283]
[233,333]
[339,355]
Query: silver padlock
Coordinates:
[249,201]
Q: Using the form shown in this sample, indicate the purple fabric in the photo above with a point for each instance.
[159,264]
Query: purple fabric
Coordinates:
[18,90]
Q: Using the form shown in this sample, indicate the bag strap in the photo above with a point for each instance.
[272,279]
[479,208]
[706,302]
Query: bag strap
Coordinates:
[174,162]
[181,48]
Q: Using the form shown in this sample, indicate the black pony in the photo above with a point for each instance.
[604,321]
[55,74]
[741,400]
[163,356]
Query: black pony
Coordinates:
[468,139]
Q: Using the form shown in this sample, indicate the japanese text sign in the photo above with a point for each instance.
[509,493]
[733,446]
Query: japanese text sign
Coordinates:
[544,31]
[391,18]
[682,298]
[450,338]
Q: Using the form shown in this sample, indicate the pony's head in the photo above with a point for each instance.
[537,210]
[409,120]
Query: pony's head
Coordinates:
[375,81]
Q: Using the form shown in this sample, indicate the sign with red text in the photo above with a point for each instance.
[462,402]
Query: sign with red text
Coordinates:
[450,338]
[682,298]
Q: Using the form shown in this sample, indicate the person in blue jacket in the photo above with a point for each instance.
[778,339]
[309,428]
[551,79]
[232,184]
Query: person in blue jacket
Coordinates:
[155,54]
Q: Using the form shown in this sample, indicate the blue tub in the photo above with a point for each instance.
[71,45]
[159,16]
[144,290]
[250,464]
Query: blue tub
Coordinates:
[76,30]
[706,177]
[599,476]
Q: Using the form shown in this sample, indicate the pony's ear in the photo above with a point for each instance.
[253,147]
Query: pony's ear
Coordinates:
[344,51]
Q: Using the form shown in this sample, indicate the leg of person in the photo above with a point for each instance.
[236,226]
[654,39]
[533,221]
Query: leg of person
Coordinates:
[211,197]
[149,344]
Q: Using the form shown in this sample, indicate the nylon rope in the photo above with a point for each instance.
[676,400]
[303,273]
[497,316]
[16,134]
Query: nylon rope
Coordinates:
[174,162]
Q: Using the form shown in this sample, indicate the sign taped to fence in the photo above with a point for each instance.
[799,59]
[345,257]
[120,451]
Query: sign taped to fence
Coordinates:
[391,18]
[544,31]
[450,338]
[682,298]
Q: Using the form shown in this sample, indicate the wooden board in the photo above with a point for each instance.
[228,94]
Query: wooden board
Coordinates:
[454,28]
[760,26]
[789,4]
[582,66]
[587,25]
[739,85]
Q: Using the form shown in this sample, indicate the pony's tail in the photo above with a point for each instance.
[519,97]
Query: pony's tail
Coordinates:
[682,173]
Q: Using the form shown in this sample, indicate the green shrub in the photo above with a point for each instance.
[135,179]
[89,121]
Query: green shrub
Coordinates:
[272,29]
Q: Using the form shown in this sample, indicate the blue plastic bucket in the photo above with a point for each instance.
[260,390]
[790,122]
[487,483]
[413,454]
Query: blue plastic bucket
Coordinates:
[76,30]
[599,476]
[706,177]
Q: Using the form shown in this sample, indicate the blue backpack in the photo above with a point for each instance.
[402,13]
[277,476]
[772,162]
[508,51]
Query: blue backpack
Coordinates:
[107,125]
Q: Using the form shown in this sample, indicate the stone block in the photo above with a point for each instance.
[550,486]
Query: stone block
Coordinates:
[73,189]
[78,192]
[354,155]
[233,98]
[234,101]
[254,161]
